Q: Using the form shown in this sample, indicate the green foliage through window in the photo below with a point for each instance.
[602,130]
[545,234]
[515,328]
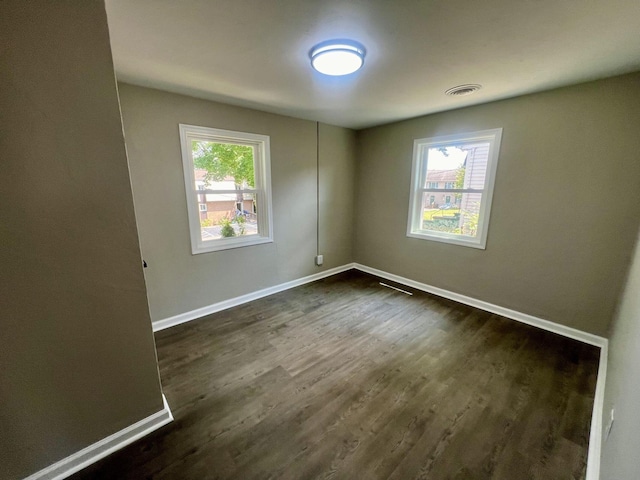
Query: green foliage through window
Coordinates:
[224,160]
[227,229]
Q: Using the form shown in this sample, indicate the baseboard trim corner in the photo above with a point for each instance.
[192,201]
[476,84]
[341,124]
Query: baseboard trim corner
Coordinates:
[91,454]
[233,302]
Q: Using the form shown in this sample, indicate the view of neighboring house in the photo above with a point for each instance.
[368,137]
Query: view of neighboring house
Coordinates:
[475,169]
[465,204]
[441,179]
[474,175]
[215,206]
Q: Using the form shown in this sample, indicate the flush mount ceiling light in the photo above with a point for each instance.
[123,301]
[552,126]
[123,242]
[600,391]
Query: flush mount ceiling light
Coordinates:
[337,57]
[462,90]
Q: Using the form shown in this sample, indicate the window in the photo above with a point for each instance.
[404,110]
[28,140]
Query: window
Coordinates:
[228,187]
[432,184]
[459,213]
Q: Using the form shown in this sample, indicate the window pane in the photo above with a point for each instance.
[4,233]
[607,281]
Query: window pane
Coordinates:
[223,162]
[225,166]
[455,213]
[457,166]
[234,217]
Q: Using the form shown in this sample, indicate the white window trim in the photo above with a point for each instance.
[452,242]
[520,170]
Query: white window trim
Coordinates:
[418,172]
[262,190]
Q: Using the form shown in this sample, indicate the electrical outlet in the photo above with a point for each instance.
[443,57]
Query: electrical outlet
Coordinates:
[319,259]
[609,426]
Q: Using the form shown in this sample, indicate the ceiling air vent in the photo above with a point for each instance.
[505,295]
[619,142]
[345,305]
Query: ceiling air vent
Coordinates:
[462,90]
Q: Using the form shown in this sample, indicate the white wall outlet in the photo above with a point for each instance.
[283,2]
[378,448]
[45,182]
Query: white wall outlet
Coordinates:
[319,259]
[607,431]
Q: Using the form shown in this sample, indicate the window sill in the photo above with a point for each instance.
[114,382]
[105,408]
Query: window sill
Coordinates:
[457,240]
[227,244]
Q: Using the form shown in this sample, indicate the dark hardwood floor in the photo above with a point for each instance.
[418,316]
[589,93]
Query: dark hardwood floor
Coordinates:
[344,378]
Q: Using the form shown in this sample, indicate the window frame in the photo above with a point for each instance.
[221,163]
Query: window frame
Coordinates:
[262,189]
[421,147]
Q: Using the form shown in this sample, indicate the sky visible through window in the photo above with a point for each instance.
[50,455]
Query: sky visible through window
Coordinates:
[452,160]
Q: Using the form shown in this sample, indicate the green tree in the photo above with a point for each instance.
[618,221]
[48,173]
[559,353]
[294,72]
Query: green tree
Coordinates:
[227,229]
[223,160]
[460,172]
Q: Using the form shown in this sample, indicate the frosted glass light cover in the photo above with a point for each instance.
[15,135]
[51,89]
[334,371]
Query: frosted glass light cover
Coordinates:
[337,57]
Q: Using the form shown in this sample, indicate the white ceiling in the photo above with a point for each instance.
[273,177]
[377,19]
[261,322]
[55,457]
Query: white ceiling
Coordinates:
[254,53]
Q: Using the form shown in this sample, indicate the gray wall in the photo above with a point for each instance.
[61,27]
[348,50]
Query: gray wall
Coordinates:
[77,358]
[620,460]
[178,281]
[565,211]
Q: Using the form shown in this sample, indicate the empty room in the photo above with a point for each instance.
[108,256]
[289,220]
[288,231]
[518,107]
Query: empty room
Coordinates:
[308,239]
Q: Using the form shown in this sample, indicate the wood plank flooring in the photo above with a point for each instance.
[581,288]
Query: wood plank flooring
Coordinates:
[346,379]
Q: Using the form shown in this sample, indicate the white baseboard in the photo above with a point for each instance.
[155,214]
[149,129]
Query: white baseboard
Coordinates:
[233,302]
[595,434]
[548,325]
[595,437]
[490,307]
[91,454]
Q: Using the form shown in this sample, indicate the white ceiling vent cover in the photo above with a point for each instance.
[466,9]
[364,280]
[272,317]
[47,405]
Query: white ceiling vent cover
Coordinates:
[462,90]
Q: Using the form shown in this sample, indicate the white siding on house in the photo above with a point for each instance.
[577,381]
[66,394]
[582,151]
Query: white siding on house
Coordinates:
[475,175]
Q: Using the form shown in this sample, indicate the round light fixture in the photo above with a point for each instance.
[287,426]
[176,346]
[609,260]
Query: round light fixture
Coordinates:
[337,57]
